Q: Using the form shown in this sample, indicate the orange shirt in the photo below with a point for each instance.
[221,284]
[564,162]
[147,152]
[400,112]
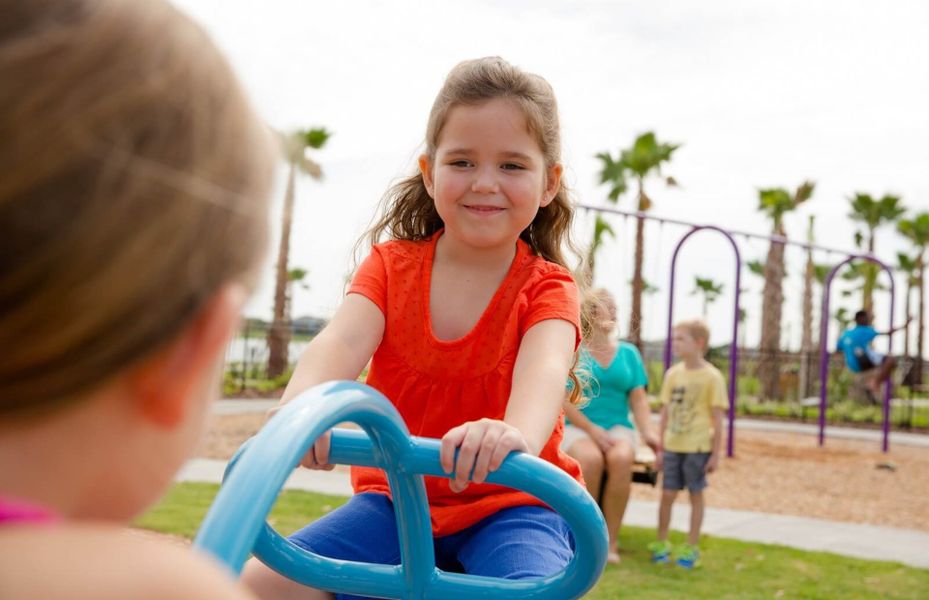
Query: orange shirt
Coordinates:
[436,384]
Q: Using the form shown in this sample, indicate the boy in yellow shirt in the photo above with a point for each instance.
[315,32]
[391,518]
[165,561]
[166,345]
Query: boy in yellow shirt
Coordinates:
[693,398]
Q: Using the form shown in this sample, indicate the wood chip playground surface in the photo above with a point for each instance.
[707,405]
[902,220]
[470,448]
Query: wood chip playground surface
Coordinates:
[772,472]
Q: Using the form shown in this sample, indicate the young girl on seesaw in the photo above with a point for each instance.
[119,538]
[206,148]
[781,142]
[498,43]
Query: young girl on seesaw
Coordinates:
[469,317]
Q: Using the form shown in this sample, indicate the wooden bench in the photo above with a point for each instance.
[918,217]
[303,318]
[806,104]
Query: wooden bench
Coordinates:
[643,466]
[643,470]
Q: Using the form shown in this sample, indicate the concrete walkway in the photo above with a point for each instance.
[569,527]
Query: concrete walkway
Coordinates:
[848,539]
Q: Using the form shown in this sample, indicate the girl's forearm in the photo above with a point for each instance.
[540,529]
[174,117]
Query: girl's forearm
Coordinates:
[534,411]
[537,395]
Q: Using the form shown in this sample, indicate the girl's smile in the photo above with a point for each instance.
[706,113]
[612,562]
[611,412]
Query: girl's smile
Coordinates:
[484,209]
[488,178]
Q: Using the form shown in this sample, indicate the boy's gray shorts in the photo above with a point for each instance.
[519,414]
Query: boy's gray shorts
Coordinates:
[685,469]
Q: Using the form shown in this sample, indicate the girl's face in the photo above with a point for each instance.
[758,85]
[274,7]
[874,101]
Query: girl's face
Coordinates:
[488,179]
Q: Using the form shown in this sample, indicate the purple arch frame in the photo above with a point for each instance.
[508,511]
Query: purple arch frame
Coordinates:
[734,346]
[824,351]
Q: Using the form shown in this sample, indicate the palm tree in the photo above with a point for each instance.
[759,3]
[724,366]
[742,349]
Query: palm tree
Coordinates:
[820,272]
[775,203]
[643,159]
[743,316]
[294,146]
[806,339]
[857,275]
[602,230]
[916,230]
[647,288]
[709,289]
[295,277]
[756,267]
[873,213]
[843,318]
[907,266]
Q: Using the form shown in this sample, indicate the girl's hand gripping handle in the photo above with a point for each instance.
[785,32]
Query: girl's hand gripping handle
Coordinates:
[482,445]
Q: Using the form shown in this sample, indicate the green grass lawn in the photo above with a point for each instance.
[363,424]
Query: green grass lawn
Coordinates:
[731,569]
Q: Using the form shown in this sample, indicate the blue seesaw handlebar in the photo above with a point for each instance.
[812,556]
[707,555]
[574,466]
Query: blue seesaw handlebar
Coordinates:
[235,524]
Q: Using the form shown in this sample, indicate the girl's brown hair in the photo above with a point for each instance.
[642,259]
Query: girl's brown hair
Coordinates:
[133,184]
[408,212]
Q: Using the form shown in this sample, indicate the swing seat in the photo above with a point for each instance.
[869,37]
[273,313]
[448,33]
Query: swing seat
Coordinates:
[235,525]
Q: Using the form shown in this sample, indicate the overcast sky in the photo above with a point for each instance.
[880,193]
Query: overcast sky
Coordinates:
[759,94]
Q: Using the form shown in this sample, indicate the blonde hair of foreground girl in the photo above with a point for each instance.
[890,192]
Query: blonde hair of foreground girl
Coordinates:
[133,185]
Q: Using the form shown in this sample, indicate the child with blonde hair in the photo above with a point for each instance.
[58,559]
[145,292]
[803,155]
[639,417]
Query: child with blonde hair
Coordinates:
[693,398]
[469,317]
[133,216]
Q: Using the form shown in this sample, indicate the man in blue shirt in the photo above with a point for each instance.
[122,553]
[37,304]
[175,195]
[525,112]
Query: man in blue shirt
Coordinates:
[860,357]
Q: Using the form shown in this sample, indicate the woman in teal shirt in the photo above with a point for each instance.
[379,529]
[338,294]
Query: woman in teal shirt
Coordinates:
[599,433]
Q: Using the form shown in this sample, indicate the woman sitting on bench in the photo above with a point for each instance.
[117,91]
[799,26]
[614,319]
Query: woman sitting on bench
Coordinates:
[599,434]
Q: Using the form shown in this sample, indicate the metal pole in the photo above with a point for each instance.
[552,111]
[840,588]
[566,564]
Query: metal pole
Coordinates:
[824,351]
[758,236]
[733,346]
[888,385]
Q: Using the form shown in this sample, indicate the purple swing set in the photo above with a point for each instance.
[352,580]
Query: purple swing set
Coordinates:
[733,347]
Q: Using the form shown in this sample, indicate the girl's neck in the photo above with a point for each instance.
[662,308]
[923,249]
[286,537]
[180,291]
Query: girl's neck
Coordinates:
[452,250]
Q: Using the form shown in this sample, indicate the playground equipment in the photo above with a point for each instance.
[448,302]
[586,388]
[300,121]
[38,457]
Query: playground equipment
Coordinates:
[235,524]
[733,345]
[824,350]
[733,349]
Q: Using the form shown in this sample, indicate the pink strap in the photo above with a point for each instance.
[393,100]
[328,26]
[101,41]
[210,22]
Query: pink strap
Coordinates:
[18,511]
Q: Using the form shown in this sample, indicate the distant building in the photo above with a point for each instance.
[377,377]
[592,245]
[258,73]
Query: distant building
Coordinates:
[308,325]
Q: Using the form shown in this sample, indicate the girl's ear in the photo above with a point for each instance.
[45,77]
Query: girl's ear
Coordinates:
[552,183]
[165,384]
[425,167]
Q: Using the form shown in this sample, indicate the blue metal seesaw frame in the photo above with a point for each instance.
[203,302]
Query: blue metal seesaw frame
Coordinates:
[235,525]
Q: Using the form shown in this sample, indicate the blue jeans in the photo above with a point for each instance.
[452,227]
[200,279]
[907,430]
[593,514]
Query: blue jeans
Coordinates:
[515,543]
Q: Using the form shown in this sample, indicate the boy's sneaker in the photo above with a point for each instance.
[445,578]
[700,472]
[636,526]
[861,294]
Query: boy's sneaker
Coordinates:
[661,552]
[688,557]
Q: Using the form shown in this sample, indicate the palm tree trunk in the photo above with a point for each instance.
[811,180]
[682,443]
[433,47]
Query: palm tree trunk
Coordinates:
[870,275]
[806,341]
[279,334]
[589,266]
[906,315]
[772,301]
[920,330]
[635,315]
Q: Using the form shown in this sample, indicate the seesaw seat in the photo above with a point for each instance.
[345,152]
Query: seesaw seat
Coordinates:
[235,526]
